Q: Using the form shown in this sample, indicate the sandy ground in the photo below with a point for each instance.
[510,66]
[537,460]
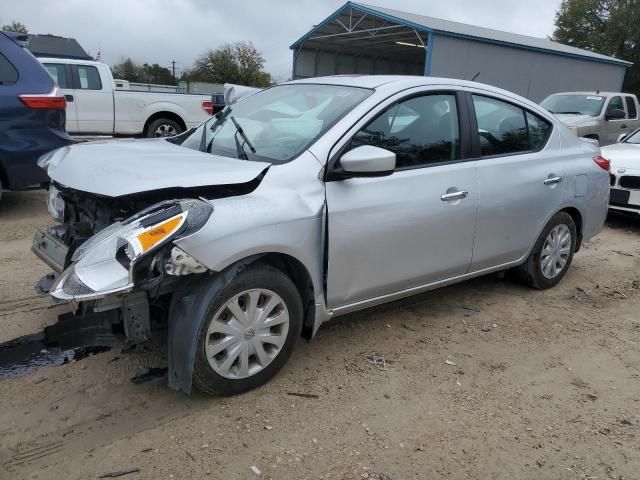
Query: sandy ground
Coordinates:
[546,385]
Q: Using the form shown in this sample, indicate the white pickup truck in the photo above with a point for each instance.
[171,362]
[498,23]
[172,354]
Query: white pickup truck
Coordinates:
[96,107]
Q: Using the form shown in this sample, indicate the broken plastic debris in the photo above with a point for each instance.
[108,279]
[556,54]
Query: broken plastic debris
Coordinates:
[449,362]
[256,470]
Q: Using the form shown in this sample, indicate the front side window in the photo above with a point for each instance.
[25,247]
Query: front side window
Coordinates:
[89,78]
[275,125]
[502,127]
[631,108]
[615,104]
[58,73]
[574,104]
[420,131]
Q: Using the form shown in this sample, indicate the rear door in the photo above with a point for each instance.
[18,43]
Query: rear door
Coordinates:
[521,176]
[399,232]
[94,100]
[632,113]
[61,74]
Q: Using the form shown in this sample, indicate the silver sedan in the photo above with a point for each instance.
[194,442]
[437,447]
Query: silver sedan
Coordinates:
[307,201]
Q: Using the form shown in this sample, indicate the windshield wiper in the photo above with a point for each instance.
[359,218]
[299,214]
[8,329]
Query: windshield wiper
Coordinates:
[569,113]
[242,134]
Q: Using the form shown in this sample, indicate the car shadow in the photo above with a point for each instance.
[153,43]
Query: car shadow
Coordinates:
[16,205]
[623,221]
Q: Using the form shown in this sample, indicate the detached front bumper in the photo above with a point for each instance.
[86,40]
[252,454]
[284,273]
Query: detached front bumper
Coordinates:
[49,248]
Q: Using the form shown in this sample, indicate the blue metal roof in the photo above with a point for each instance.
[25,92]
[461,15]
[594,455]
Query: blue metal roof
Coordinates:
[461,30]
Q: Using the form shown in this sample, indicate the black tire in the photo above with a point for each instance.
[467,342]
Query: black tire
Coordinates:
[530,272]
[166,125]
[263,276]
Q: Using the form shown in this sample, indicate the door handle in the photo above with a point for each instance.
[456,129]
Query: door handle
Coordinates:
[624,125]
[448,197]
[68,98]
[552,180]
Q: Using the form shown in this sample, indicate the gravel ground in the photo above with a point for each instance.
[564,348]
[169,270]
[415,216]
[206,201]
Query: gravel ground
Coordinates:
[482,380]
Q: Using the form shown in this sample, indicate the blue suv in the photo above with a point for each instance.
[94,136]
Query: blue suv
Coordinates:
[32,115]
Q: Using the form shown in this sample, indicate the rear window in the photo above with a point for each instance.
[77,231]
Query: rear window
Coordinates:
[58,73]
[89,78]
[8,73]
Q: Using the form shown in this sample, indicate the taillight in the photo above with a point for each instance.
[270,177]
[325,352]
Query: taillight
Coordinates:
[603,163]
[54,100]
[207,106]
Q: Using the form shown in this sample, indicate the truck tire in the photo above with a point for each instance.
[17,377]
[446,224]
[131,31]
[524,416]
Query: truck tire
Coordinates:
[163,127]
[552,254]
[249,331]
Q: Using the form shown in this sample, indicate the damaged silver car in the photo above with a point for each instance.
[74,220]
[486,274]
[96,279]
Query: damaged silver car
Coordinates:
[307,201]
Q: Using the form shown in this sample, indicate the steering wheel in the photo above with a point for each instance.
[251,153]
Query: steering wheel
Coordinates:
[489,137]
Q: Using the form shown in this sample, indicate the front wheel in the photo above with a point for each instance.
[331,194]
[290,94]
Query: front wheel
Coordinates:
[552,254]
[249,332]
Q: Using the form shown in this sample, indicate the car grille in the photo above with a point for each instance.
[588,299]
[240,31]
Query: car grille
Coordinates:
[629,181]
[612,179]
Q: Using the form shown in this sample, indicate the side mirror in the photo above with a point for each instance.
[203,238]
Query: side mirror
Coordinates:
[616,114]
[368,161]
[622,137]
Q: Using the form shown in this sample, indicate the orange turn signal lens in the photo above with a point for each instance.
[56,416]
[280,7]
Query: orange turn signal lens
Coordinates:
[156,234]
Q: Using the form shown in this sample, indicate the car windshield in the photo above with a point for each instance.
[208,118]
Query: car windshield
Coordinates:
[633,138]
[274,125]
[574,104]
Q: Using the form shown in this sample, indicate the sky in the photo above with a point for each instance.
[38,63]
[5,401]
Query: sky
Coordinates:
[160,31]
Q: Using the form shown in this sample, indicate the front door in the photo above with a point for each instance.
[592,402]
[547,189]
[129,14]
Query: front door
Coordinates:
[94,101]
[414,227]
[614,128]
[61,74]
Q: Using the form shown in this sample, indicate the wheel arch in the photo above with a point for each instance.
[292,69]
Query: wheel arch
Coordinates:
[577,219]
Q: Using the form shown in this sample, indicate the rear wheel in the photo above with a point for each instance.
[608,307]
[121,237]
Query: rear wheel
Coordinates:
[552,254]
[163,127]
[249,332]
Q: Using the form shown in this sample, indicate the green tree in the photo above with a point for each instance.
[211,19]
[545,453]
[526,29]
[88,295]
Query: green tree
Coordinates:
[129,70]
[239,63]
[15,27]
[609,27]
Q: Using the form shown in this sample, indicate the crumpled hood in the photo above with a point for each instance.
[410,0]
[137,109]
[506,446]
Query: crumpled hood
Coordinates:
[121,167]
[623,155]
[576,120]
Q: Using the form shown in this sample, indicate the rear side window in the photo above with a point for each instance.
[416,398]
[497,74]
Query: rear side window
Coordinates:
[631,108]
[502,127]
[59,74]
[421,131]
[89,78]
[506,129]
[8,73]
[539,131]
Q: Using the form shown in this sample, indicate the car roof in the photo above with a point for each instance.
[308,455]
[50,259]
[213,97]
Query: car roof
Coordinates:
[600,94]
[70,61]
[398,81]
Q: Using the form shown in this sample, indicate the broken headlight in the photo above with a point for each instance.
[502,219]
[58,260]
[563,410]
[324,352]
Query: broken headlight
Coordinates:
[55,204]
[104,264]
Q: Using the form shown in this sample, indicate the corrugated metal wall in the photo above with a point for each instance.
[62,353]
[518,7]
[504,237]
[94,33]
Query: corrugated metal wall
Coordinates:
[531,74]
[312,63]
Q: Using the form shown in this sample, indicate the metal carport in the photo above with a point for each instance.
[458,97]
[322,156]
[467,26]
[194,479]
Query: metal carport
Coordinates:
[364,39]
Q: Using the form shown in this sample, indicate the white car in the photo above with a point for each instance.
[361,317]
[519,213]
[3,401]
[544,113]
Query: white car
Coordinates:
[96,107]
[625,173]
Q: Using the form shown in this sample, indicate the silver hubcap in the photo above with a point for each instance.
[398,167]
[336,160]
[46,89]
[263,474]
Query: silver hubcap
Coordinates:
[555,251]
[247,333]
[165,130]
